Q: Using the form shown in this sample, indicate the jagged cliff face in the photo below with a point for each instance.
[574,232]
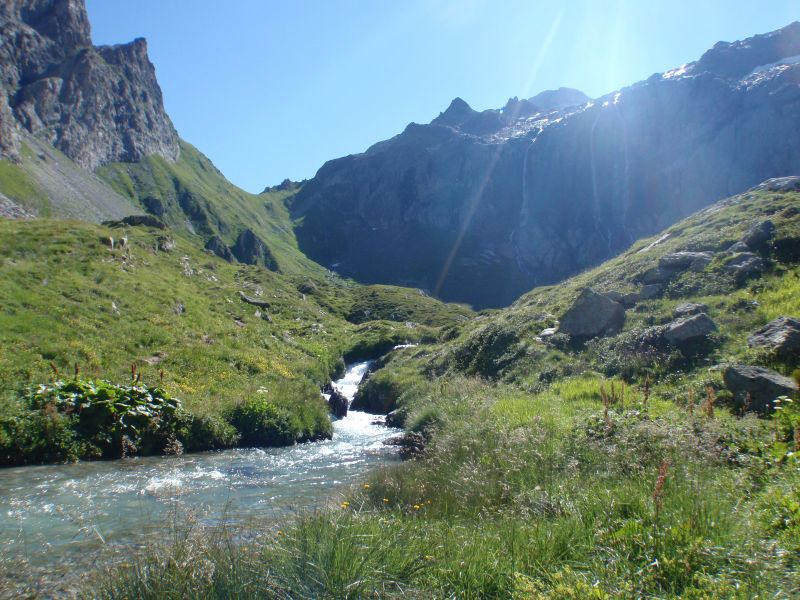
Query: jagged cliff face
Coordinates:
[480,207]
[96,104]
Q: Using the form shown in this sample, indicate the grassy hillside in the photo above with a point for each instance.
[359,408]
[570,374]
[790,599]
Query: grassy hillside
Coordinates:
[556,470]
[192,195]
[176,313]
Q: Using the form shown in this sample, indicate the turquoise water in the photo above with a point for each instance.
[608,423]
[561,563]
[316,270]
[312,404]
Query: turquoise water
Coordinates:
[54,518]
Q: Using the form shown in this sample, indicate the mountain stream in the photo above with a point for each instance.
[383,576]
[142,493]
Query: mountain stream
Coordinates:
[58,517]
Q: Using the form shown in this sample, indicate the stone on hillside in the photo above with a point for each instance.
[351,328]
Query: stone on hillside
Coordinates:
[762,385]
[254,301]
[781,184]
[338,404]
[759,234]
[744,266]
[396,418]
[251,249]
[689,308]
[166,243]
[216,246]
[648,291]
[138,221]
[681,261]
[689,329]
[738,247]
[781,337]
[658,275]
[592,315]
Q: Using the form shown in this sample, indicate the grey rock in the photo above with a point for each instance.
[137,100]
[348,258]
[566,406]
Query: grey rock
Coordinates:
[658,275]
[689,329]
[689,308]
[780,337]
[759,234]
[744,266]
[166,244]
[781,184]
[11,210]
[216,246]
[681,261]
[738,247]
[412,444]
[137,221]
[648,291]
[251,249]
[592,315]
[253,301]
[96,104]
[338,404]
[396,418]
[762,385]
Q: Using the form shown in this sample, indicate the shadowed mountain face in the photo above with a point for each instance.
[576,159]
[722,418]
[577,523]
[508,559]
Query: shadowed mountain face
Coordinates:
[481,206]
[95,104]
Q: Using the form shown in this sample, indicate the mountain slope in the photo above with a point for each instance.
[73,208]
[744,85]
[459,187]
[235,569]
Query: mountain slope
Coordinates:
[480,207]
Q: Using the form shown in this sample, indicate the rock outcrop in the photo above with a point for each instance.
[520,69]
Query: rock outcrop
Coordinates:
[97,104]
[780,337]
[482,206]
[689,329]
[755,388]
[251,249]
[592,315]
[216,246]
[337,404]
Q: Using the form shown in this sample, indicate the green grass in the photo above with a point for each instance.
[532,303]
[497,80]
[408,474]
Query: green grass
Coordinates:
[531,487]
[18,186]
[193,190]
[68,299]
[522,496]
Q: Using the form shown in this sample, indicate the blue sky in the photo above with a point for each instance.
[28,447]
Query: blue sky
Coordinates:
[271,89]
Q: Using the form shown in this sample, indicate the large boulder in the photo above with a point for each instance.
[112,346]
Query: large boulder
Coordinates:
[688,309]
[744,266]
[780,337]
[251,249]
[762,385]
[338,404]
[689,329]
[681,261]
[592,315]
[759,234]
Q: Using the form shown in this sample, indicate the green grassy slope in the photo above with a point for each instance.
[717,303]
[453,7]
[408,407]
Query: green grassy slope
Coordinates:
[68,299]
[192,195]
[530,485]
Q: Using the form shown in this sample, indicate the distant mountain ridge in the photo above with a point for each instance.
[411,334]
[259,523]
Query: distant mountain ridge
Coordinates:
[482,206]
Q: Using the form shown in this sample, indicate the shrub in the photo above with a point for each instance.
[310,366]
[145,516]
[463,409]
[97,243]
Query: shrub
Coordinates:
[87,419]
[294,412]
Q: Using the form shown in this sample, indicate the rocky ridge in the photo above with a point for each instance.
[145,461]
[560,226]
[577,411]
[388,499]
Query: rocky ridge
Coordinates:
[96,104]
[482,206]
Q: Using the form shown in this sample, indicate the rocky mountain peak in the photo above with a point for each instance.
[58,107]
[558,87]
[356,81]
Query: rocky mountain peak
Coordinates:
[456,113]
[734,60]
[63,21]
[96,104]
[559,99]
